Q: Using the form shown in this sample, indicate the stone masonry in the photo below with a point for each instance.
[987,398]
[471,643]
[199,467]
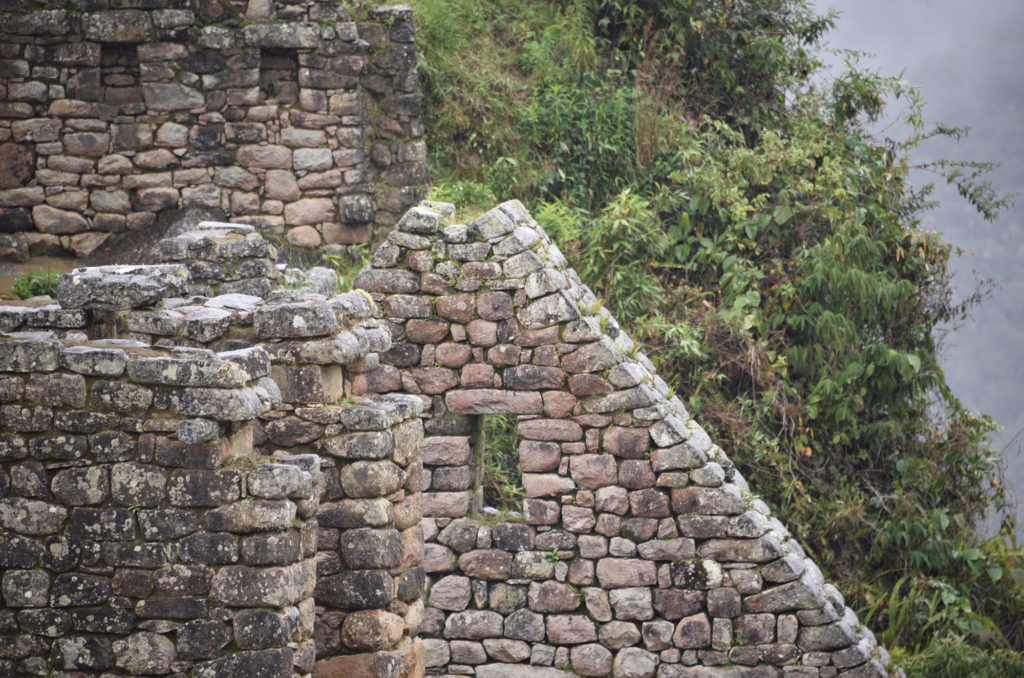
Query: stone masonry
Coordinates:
[206,475]
[299,118]
[181,472]
[641,551]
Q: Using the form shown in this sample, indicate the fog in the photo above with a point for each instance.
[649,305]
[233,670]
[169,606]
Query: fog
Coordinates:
[968,60]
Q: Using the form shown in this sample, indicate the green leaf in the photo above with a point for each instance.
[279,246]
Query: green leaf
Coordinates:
[783,213]
[915,362]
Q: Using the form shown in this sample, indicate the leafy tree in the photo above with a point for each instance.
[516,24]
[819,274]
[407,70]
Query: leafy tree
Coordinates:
[727,197]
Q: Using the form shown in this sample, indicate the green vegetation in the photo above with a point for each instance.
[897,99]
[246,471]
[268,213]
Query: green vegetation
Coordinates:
[36,284]
[502,478]
[726,199]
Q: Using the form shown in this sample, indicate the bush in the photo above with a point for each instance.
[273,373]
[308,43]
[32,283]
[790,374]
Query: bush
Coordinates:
[43,283]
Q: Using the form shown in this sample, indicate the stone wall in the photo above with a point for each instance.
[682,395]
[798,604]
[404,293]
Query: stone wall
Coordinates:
[640,551]
[138,532]
[204,474]
[295,117]
[163,456]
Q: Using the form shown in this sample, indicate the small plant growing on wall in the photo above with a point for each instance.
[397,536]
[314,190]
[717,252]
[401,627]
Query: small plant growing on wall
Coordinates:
[36,284]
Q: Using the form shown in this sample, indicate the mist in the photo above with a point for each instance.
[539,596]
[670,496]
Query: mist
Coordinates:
[966,59]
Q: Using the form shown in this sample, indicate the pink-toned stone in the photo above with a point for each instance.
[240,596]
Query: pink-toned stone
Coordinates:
[491,564]
[541,511]
[623,572]
[309,211]
[304,236]
[265,156]
[434,380]
[546,484]
[17,163]
[456,307]
[157,159]
[693,632]
[445,450]
[158,198]
[578,519]
[552,596]
[570,629]
[482,333]
[451,354]
[593,471]
[446,504]
[589,384]
[477,376]
[281,185]
[494,306]
[558,404]
[503,355]
[629,443]
[488,401]
[649,503]
[550,429]
[636,474]
[537,456]
[541,337]
[59,222]
[591,659]
[370,630]
[451,593]
[428,332]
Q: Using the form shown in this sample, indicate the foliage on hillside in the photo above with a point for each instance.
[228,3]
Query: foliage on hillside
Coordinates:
[727,199]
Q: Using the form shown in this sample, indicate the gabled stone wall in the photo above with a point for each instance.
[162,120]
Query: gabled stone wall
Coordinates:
[641,550]
[203,474]
[295,117]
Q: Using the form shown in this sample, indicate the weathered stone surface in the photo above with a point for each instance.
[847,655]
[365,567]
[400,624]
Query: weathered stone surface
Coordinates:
[120,287]
[144,653]
[625,572]
[239,585]
[31,517]
[489,401]
[473,624]
[519,671]
[632,662]
[492,564]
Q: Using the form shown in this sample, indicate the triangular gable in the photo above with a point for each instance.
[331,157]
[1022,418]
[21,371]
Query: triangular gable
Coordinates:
[642,550]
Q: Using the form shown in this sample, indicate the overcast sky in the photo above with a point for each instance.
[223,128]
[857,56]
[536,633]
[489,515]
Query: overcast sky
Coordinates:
[968,59]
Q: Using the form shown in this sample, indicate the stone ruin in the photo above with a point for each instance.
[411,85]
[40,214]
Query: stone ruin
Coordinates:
[204,475]
[116,114]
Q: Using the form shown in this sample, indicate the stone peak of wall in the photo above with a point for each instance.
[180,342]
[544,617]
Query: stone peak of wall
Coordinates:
[620,480]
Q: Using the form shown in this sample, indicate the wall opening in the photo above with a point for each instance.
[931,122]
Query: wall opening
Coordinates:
[119,73]
[279,75]
[499,476]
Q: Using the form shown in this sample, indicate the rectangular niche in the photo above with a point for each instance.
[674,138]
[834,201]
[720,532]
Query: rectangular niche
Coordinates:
[279,75]
[119,73]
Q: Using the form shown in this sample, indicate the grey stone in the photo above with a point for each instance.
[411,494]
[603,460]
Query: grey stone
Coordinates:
[31,517]
[120,287]
[547,311]
[242,586]
[202,639]
[473,624]
[144,653]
